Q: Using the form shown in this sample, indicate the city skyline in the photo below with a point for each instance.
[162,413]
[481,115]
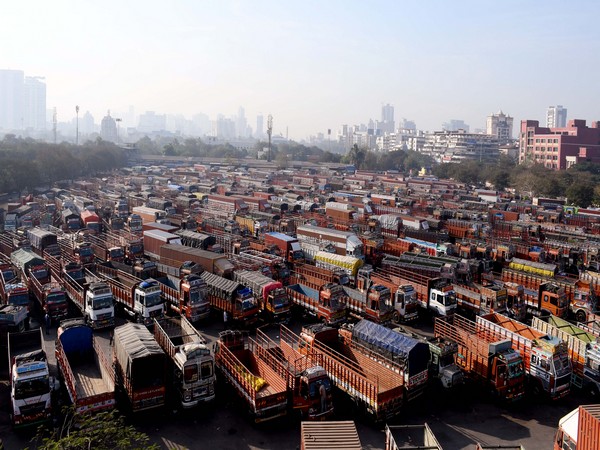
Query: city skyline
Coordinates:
[313,66]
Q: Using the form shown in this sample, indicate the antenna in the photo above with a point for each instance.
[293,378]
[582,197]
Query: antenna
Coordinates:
[77,125]
[269,133]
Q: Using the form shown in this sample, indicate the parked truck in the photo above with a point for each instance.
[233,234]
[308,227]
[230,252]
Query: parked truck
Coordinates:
[12,290]
[333,434]
[315,275]
[493,363]
[309,386]
[288,246]
[374,387]
[155,239]
[30,383]
[405,307]
[94,300]
[175,255]
[261,387]
[140,367]
[186,295]
[343,243]
[191,364]
[546,358]
[410,437]
[140,299]
[81,252]
[87,374]
[43,241]
[272,298]
[231,297]
[433,294]
[477,299]
[325,304]
[584,351]
[373,303]
[579,430]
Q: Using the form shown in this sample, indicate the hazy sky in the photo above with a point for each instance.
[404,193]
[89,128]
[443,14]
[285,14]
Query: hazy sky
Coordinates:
[312,64]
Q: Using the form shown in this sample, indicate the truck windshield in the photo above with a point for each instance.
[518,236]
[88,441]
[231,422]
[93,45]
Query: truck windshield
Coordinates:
[562,301]
[446,360]
[450,299]
[196,297]
[19,299]
[190,373]
[102,303]
[31,388]
[135,249]
[76,274]
[561,364]
[206,369]
[280,302]
[40,274]
[515,370]
[152,299]
[8,275]
[248,303]
[56,299]
[314,387]
[86,251]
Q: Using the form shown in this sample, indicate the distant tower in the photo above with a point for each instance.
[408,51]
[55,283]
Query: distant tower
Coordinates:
[387,118]
[108,129]
[259,126]
[77,125]
[269,132]
[556,117]
[500,125]
[54,122]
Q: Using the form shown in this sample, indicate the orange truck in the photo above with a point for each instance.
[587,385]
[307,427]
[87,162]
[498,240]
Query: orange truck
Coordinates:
[579,430]
[231,297]
[303,375]
[374,387]
[489,361]
[326,304]
[258,384]
[477,299]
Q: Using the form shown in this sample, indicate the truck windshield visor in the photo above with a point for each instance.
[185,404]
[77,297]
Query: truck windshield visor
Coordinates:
[102,303]
[33,387]
[515,370]
[56,299]
[19,299]
[152,299]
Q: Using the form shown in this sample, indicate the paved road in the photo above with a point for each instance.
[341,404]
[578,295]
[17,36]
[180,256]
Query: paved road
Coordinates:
[458,421]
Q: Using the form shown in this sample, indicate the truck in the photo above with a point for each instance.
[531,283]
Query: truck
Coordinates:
[334,434]
[492,363]
[93,299]
[272,298]
[303,376]
[140,299]
[434,295]
[175,255]
[91,221]
[103,249]
[326,304]
[315,275]
[271,265]
[541,299]
[147,215]
[410,437]
[191,371]
[376,389]
[477,299]
[85,370]
[43,241]
[155,239]
[579,430]
[30,381]
[132,244]
[81,252]
[546,358]
[186,295]
[12,290]
[584,351]
[140,368]
[288,246]
[134,223]
[373,303]
[231,297]
[262,388]
[344,243]
[333,261]
[405,307]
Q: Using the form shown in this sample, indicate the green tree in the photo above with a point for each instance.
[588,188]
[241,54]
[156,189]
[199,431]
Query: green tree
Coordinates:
[102,431]
[356,156]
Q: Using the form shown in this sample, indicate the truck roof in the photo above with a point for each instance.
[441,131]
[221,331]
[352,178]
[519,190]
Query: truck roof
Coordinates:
[400,344]
[135,342]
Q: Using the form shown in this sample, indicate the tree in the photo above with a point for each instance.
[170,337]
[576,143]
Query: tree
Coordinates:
[357,156]
[102,431]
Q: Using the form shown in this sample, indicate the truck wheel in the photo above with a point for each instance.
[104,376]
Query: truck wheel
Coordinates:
[581,316]
[396,317]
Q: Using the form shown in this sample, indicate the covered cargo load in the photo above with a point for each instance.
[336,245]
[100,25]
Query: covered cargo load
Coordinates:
[175,255]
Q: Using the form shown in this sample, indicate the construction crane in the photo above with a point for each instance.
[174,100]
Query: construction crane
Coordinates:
[269,133]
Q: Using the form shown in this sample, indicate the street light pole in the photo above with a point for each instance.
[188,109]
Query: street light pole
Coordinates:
[77,125]
[118,120]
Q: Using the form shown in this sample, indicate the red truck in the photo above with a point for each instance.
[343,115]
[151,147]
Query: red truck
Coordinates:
[231,297]
[12,290]
[87,374]
[176,255]
[579,430]
[288,246]
[155,239]
[91,221]
[320,275]
[326,303]
[186,295]
[272,298]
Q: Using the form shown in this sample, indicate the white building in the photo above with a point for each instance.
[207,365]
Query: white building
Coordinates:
[108,129]
[500,125]
[34,107]
[556,117]
[11,99]
[150,122]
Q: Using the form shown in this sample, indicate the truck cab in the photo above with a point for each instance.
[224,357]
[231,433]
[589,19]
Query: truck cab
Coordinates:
[148,301]
[330,296]
[17,294]
[442,362]
[552,299]
[245,303]
[194,293]
[99,305]
[442,299]
[550,364]
[278,304]
[195,369]
[406,306]
[55,301]
[308,395]
[507,371]
[85,253]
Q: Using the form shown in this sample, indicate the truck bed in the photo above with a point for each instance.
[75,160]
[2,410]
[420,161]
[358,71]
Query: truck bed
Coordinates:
[275,384]
[88,380]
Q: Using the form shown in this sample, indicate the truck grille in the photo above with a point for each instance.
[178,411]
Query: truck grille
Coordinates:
[33,409]
[104,316]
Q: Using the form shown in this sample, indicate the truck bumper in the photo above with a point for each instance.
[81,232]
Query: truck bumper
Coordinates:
[104,323]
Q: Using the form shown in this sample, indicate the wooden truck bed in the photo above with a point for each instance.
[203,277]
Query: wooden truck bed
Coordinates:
[274,383]
[88,380]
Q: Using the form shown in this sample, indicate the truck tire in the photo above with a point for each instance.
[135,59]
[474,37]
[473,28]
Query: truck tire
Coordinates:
[580,316]
[396,317]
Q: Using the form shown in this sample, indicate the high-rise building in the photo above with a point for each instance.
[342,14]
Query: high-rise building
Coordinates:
[11,99]
[108,129]
[86,124]
[455,125]
[241,125]
[150,122]
[500,126]
[259,127]
[556,117]
[34,103]
[387,124]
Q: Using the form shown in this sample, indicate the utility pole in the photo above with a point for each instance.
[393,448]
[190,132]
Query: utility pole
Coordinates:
[269,133]
[77,125]
[118,120]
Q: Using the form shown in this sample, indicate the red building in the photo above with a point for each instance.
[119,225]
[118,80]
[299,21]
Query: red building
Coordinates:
[559,148]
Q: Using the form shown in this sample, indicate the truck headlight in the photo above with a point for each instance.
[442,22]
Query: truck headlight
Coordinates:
[187,395]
